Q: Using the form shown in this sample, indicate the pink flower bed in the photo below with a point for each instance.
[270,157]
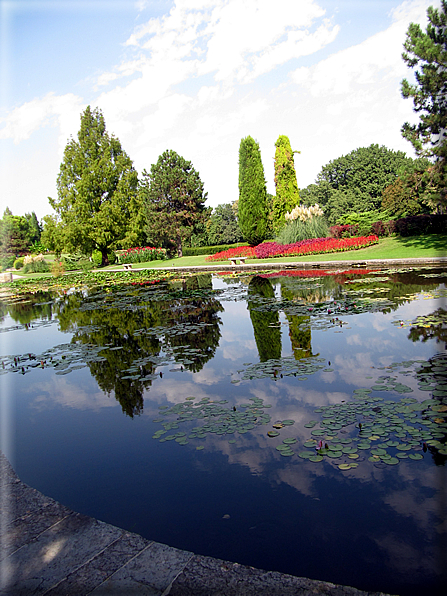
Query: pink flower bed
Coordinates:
[311,246]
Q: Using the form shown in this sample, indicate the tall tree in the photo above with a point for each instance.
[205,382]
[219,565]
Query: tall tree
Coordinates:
[15,234]
[97,189]
[34,226]
[428,52]
[174,200]
[252,208]
[287,193]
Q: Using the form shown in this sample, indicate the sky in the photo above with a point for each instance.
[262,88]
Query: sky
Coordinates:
[197,76]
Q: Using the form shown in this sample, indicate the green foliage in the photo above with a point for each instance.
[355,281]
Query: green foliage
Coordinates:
[174,201]
[287,193]
[252,206]
[97,258]
[35,229]
[18,263]
[97,204]
[298,230]
[15,233]
[6,260]
[35,265]
[364,220]
[206,250]
[222,226]
[428,53]
[76,261]
[265,324]
[355,182]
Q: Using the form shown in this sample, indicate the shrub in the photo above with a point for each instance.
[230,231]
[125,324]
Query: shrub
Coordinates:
[76,261]
[58,268]
[96,258]
[345,231]
[7,261]
[35,264]
[18,263]
[417,225]
[207,250]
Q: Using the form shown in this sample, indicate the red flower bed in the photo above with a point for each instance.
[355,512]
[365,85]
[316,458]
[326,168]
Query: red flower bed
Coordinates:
[240,251]
[310,246]
[313,246]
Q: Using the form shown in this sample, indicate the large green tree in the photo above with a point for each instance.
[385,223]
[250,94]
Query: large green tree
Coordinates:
[427,52]
[287,193]
[16,234]
[222,226]
[252,208]
[174,199]
[97,202]
[355,182]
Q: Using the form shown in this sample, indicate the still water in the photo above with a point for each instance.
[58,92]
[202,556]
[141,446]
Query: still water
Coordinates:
[294,422]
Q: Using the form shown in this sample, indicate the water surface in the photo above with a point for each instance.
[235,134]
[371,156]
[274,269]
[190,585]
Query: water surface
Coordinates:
[160,407]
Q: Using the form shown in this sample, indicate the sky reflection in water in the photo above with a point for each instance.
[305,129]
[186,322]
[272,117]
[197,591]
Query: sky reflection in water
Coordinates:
[82,424]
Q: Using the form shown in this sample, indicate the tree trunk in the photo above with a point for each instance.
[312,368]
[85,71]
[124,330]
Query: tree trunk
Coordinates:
[104,257]
[179,247]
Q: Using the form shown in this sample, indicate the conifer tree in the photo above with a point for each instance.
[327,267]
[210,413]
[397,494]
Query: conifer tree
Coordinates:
[428,52]
[287,193]
[252,208]
[97,190]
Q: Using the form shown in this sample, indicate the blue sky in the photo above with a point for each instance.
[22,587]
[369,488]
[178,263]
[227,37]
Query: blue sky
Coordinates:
[197,76]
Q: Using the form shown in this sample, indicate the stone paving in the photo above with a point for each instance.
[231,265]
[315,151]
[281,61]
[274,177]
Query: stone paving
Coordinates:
[47,549]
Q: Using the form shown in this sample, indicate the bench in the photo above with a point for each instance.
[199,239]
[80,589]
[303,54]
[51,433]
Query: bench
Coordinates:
[234,259]
[127,266]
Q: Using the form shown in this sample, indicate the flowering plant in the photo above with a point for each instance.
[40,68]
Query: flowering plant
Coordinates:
[304,213]
[231,253]
[142,255]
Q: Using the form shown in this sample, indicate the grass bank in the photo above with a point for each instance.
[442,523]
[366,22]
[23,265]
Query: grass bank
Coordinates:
[434,245]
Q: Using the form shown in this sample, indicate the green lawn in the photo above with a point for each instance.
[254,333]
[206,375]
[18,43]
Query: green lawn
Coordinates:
[434,245]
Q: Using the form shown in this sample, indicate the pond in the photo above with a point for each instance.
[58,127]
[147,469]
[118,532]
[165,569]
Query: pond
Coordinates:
[294,421]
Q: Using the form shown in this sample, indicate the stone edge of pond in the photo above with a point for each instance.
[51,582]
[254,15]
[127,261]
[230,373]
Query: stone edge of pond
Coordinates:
[352,264]
[48,549]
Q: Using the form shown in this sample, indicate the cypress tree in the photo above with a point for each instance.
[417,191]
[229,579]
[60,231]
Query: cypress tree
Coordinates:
[287,194]
[252,210]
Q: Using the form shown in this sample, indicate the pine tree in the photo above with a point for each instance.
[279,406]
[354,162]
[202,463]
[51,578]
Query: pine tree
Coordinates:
[428,52]
[252,208]
[287,193]
[97,190]
[174,199]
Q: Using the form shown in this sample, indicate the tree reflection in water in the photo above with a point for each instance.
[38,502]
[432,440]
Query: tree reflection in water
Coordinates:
[128,349]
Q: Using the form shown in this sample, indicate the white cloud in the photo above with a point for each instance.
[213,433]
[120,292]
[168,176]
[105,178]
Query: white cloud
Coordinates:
[198,79]
[23,121]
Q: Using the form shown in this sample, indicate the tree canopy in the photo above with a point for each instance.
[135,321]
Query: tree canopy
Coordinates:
[223,226]
[287,194]
[355,182]
[18,232]
[252,207]
[97,191]
[427,52]
[174,199]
